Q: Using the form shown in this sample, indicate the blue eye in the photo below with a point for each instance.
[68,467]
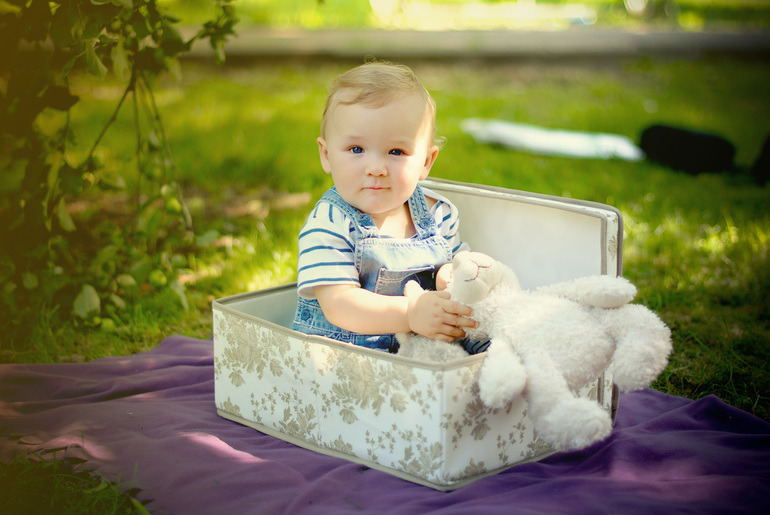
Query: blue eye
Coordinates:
[396,152]
[357,150]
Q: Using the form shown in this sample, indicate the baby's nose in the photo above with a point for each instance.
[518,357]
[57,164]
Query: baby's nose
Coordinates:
[376,169]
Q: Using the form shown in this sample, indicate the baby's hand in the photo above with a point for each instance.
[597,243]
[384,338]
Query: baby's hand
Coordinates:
[435,315]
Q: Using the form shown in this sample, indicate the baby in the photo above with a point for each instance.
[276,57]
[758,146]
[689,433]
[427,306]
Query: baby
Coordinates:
[377,229]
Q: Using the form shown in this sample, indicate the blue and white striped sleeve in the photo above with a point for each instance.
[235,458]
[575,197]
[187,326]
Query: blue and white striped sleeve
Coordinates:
[448,221]
[326,251]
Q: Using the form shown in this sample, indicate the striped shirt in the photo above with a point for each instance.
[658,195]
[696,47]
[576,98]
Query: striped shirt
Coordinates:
[328,240]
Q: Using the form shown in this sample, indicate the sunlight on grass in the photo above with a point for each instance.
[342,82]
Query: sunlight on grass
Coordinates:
[282,271]
[238,269]
[718,258]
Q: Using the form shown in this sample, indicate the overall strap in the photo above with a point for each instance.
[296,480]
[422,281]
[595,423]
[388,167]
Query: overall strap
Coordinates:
[423,220]
[363,222]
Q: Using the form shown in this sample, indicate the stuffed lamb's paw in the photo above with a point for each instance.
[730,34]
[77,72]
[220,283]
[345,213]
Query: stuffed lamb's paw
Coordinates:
[420,347]
[573,423]
[502,376]
[412,289]
[601,291]
[643,345]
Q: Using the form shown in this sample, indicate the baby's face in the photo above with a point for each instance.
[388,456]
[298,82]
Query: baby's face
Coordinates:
[377,155]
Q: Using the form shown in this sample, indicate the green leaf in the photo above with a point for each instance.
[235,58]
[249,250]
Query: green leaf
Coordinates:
[94,65]
[87,303]
[153,224]
[144,220]
[13,174]
[118,301]
[91,30]
[125,281]
[119,3]
[178,288]
[153,140]
[67,25]
[7,8]
[139,507]
[174,68]
[112,181]
[205,240]
[157,278]
[106,255]
[171,41]
[139,23]
[65,220]
[219,53]
[140,270]
[30,280]
[120,65]
[101,486]
[70,64]
[70,180]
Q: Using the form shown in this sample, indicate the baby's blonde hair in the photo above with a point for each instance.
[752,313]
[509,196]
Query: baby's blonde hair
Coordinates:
[376,83]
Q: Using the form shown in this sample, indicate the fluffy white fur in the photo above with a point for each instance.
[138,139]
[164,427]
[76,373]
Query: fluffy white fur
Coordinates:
[547,343]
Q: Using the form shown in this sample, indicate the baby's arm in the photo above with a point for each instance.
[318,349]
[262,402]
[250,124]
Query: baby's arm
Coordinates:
[430,314]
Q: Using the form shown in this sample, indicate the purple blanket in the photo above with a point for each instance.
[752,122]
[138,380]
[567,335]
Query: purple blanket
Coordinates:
[149,419]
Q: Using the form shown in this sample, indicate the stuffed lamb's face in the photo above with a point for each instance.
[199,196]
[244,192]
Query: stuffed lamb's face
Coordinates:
[473,276]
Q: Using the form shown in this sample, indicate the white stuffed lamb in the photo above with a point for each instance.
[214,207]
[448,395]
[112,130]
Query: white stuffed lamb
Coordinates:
[547,343]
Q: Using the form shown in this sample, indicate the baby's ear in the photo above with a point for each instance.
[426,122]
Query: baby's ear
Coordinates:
[429,160]
[323,152]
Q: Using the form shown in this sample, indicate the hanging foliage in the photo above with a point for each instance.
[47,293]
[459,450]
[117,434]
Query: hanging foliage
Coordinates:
[41,263]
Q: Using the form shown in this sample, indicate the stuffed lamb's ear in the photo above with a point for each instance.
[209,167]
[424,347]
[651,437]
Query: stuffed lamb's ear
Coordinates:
[474,275]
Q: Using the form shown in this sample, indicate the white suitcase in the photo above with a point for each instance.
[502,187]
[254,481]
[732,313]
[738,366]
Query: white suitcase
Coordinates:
[420,421]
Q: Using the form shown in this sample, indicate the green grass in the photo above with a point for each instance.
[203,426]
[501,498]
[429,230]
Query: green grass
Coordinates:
[33,484]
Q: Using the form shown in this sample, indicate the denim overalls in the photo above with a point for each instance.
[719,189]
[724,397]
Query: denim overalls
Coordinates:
[384,264]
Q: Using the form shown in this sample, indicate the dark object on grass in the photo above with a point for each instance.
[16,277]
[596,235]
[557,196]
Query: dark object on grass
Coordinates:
[761,167]
[686,150]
